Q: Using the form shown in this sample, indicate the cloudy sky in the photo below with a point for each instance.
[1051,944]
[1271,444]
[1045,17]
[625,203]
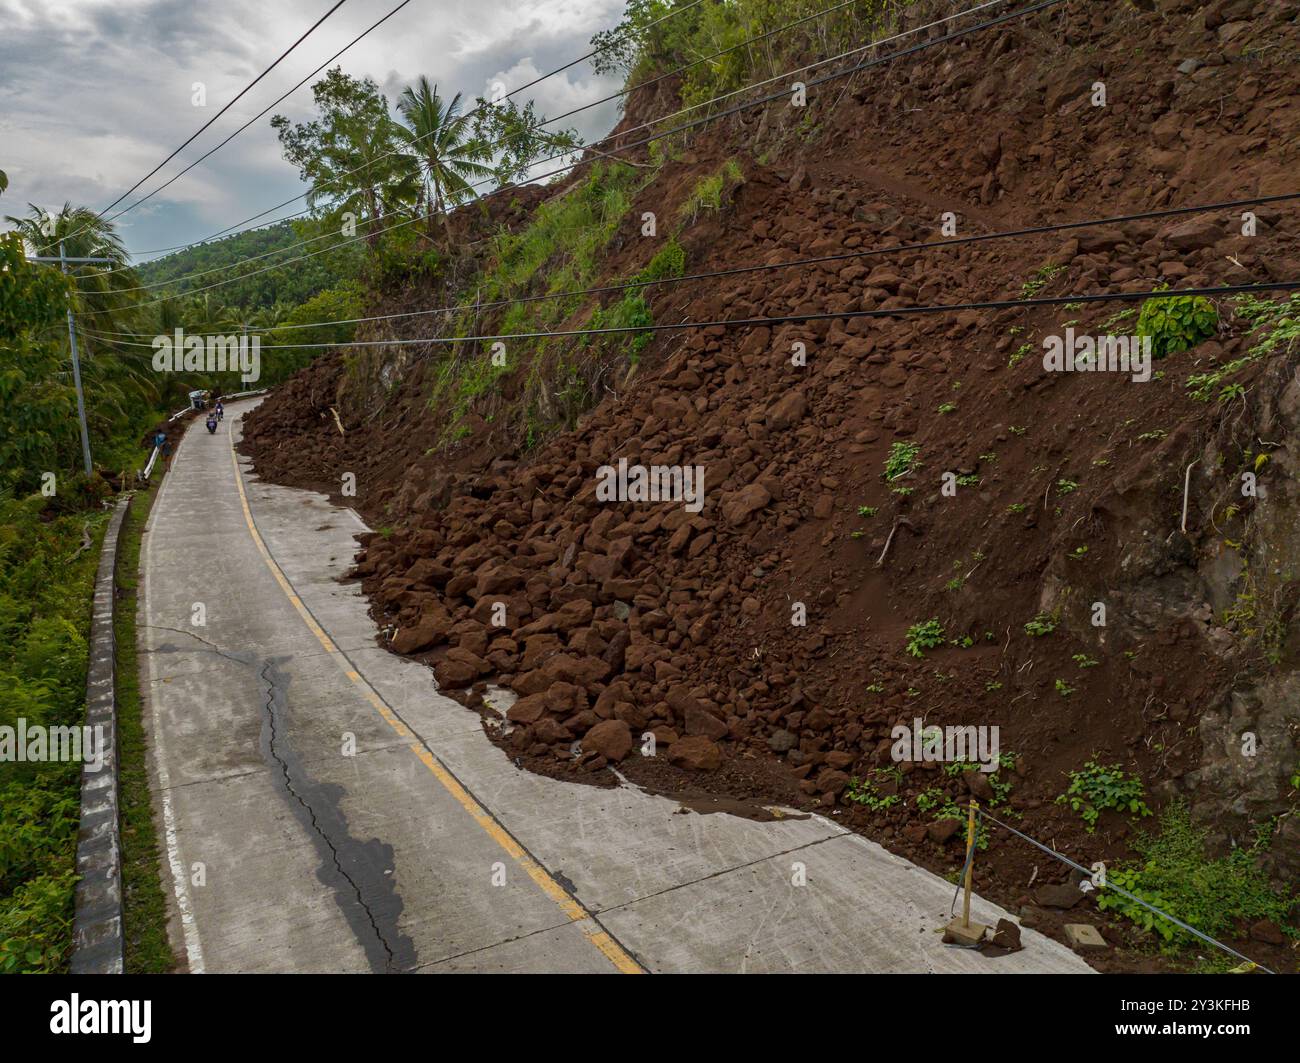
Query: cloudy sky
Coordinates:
[95,93]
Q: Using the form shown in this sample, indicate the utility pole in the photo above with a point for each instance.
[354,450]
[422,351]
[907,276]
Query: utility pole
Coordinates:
[63,261]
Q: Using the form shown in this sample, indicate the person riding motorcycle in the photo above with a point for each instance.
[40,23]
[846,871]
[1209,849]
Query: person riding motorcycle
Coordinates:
[212,424]
[220,411]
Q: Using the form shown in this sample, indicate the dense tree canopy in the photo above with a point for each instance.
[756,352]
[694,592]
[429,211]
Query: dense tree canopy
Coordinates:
[351,155]
[372,173]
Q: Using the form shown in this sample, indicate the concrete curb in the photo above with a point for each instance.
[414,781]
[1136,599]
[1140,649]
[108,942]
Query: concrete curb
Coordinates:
[97,944]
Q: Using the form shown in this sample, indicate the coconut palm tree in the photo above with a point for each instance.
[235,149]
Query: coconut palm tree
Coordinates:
[268,317]
[445,154]
[104,298]
[206,313]
[103,295]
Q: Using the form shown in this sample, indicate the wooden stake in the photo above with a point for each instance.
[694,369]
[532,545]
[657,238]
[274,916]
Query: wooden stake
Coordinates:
[970,861]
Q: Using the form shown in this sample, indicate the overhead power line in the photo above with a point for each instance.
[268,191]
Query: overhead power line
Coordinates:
[1044,4]
[847,256]
[788,319]
[263,112]
[302,195]
[209,122]
[238,226]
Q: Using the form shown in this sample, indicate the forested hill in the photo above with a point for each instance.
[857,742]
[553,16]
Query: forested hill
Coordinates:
[257,287]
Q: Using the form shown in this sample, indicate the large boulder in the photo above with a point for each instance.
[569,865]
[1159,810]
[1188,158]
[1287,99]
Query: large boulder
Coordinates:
[1194,234]
[699,721]
[696,753]
[787,411]
[739,506]
[612,739]
[527,710]
[431,630]
[453,674]
[585,672]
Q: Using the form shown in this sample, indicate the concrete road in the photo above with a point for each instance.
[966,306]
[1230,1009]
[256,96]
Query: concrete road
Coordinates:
[326,809]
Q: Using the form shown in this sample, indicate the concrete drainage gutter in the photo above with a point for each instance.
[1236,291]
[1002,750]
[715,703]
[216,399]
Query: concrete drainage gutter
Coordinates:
[97,925]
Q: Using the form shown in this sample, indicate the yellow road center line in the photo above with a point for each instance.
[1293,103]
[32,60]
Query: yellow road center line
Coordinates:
[569,905]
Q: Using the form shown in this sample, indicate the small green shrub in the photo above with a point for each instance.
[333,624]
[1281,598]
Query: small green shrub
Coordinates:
[1177,323]
[1095,788]
[1040,279]
[1277,326]
[631,311]
[710,192]
[902,459]
[931,798]
[36,922]
[1042,624]
[669,261]
[923,636]
[866,792]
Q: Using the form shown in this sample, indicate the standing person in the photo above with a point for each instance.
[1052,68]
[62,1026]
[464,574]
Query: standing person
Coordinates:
[164,446]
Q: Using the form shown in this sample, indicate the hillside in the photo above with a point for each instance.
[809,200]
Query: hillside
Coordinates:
[195,267]
[906,515]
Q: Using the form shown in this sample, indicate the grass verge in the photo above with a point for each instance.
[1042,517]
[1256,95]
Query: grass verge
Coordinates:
[144,904]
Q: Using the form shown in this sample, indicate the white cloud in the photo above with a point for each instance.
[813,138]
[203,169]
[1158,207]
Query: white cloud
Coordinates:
[95,93]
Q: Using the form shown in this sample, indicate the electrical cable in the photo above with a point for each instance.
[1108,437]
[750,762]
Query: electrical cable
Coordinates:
[628,147]
[785,319]
[734,271]
[206,124]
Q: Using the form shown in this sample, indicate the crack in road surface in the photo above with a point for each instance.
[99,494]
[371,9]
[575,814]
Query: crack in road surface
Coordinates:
[399,958]
[373,860]
[286,840]
[246,659]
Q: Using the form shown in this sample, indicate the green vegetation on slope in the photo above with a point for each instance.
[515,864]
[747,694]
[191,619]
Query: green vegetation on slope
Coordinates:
[564,241]
[1174,874]
[564,248]
[46,580]
[248,292]
[144,905]
[644,51]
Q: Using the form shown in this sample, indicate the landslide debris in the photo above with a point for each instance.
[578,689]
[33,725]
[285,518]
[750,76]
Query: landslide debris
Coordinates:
[612,621]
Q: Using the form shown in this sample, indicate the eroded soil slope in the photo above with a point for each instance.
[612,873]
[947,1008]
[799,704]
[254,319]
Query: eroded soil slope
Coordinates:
[1072,489]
